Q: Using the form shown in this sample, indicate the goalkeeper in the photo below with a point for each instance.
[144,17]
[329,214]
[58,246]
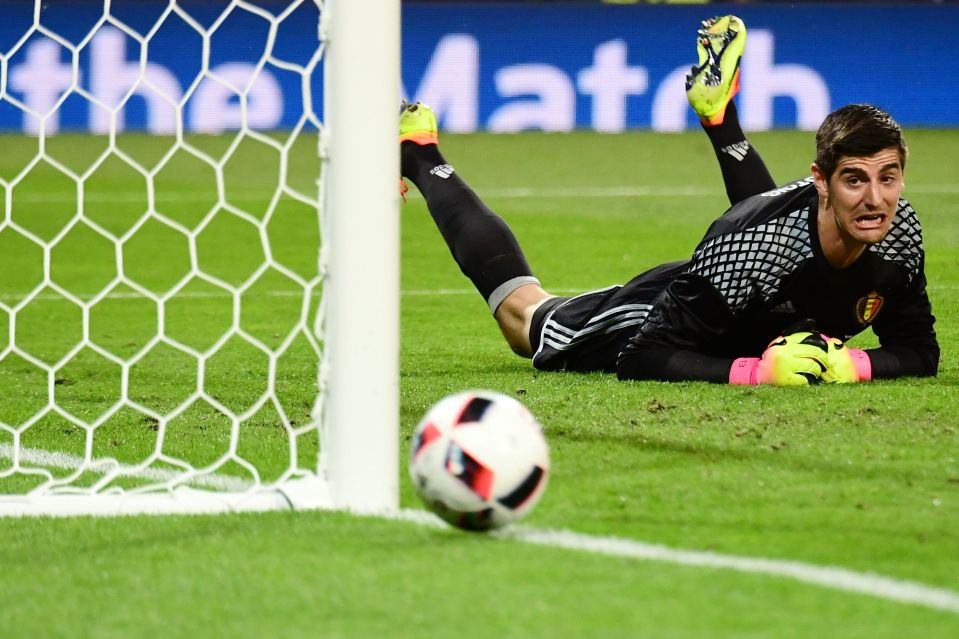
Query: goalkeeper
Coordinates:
[773,290]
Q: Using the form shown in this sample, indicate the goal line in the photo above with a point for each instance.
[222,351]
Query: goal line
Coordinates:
[832,577]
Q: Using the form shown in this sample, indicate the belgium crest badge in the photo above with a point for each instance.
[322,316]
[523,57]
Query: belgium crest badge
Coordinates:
[868,307]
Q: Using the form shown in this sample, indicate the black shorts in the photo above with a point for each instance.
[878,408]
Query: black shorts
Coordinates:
[587,332]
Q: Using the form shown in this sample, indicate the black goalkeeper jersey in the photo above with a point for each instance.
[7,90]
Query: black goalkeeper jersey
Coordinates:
[760,269]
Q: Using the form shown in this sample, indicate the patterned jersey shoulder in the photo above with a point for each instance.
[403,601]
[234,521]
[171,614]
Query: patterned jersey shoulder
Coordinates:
[903,244]
[764,207]
[747,253]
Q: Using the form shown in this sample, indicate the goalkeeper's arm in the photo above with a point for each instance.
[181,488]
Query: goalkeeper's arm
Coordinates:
[696,314]
[667,348]
[795,359]
[918,358]
[908,344]
[907,337]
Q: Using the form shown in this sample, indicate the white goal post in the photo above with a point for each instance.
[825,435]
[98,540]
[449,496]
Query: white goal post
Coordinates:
[361,436]
[223,371]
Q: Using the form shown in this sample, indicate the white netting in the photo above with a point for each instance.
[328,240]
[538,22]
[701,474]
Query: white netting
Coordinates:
[161,291]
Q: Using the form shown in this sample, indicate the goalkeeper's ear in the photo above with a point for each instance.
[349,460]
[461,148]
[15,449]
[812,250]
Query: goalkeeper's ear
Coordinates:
[820,180]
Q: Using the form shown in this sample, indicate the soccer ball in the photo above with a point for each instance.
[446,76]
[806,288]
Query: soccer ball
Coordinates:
[479,460]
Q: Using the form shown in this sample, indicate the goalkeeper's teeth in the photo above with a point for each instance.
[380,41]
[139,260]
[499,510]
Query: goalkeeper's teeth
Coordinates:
[418,124]
[713,82]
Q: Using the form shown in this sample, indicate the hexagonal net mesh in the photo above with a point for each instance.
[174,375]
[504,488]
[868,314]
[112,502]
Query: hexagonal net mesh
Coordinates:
[161,287]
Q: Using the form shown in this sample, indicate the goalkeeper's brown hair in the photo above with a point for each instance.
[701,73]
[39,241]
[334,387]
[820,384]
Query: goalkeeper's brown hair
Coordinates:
[857,130]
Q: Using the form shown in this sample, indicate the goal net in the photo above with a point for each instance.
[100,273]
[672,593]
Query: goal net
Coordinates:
[198,256]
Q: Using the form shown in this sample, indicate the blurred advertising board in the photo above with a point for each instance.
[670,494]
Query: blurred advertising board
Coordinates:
[559,67]
[498,67]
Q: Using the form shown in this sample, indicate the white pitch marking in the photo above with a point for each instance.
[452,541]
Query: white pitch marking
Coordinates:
[472,291]
[600,192]
[47,459]
[566,291]
[47,297]
[435,292]
[129,196]
[645,191]
[519,192]
[834,577]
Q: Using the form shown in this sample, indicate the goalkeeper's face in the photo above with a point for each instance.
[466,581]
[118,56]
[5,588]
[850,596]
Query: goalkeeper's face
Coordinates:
[863,195]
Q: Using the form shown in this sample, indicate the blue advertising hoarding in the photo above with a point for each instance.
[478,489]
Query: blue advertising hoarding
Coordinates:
[146,64]
[606,67]
[498,67]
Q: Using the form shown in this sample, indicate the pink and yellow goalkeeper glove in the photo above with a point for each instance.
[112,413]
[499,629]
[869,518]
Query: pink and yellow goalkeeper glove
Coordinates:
[845,365]
[796,359]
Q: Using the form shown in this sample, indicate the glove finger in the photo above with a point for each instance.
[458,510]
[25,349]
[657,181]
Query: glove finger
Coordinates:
[806,350]
[832,376]
[800,342]
[816,340]
[809,361]
[808,365]
[798,379]
[807,325]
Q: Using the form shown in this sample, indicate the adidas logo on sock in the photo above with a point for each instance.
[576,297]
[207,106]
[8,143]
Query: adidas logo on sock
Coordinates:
[737,150]
[443,171]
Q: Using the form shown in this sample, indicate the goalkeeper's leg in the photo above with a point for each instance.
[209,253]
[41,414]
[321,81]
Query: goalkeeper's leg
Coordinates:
[710,88]
[482,243]
[744,172]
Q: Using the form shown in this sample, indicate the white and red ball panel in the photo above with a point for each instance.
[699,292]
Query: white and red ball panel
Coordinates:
[479,459]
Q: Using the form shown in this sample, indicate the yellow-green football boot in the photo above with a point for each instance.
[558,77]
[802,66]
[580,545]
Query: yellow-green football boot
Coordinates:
[713,82]
[418,124]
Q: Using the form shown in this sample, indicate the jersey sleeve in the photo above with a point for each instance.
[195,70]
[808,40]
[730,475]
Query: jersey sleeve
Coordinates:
[673,343]
[737,265]
[907,337]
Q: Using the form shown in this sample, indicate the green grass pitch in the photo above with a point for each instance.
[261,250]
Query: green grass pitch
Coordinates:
[865,476]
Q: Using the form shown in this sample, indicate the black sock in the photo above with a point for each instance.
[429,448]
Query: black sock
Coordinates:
[482,244]
[744,172]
